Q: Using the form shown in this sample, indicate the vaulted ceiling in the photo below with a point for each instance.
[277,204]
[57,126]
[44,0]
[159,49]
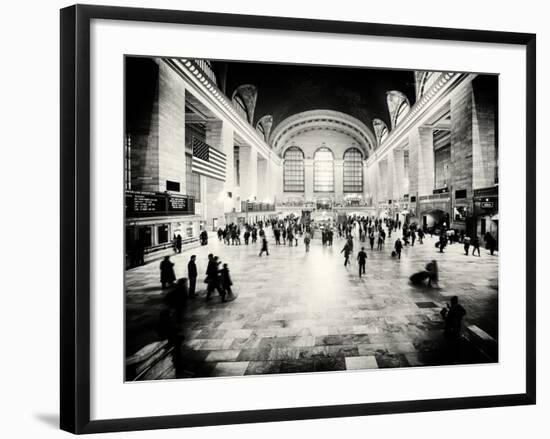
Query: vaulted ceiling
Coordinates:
[287,89]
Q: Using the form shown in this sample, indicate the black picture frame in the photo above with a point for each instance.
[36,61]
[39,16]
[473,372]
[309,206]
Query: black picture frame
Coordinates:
[75,217]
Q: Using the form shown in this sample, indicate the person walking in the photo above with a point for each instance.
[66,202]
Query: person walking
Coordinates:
[467,240]
[307,241]
[346,250]
[442,242]
[212,276]
[362,260]
[433,272]
[420,236]
[371,241]
[226,283]
[264,247]
[167,275]
[398,247]
[475,245]
[192,275]
[380,241]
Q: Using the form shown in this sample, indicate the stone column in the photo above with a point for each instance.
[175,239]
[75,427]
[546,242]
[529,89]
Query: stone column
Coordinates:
[383,181]
[373,182]
[308,175]
[219,195]
[143,131]
[366,181]
[462,137]
[398,174]
[390,176]
[263,180]
[423,139]
[249,173]
[338,180]
[484,152]
[171,108]
[413,162]
[276,177]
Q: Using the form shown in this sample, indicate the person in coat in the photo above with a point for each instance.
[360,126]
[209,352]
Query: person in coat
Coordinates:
[453,315]
[264,247]
[491,243]
[475,245]
[226,283]
[167,274]
[212,276]
[442,242]
[398,247]
[307,241]
[433,272]
[466,242]
[347,251]
[362,261]
[192,275]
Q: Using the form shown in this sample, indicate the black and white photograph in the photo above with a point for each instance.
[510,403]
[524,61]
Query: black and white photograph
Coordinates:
[297,218]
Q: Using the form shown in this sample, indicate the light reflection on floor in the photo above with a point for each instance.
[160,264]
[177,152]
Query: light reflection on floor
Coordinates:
[303,312]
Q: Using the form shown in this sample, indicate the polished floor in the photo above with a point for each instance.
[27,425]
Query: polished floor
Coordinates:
[306,312]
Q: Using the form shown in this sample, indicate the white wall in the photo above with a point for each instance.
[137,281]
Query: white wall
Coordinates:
[29,165]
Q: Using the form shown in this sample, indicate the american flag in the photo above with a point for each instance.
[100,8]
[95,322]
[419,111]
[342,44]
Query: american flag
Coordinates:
[208,161]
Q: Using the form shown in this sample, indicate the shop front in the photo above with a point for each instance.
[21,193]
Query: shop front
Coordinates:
[153,220]
[401,211]
[435,212]
[486,217]
[384,209]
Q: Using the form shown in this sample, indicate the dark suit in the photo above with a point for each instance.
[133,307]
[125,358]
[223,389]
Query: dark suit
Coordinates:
[192,274]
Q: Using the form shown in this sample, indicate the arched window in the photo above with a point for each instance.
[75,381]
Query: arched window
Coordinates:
[323,170]
[353,170]
[293,170]
[240,107]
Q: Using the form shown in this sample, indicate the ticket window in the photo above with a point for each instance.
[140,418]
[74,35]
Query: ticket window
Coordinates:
[163,235]
[144,236]
[189,230]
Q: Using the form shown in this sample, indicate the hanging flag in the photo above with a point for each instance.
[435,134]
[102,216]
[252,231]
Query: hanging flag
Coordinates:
[208,161]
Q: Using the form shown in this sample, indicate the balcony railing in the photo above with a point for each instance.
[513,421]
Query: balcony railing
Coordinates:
[248,206]
[206,68]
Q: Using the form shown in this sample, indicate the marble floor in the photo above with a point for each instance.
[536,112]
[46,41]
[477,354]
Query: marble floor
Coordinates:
[306,312]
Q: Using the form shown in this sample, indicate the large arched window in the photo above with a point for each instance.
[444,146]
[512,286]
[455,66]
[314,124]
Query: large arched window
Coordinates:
[293,170]
[353,170]
[323,170]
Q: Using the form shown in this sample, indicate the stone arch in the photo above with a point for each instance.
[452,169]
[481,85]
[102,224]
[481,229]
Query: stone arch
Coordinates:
[247,94]
[398,106]
[380,130]
[263,126]
[313,120]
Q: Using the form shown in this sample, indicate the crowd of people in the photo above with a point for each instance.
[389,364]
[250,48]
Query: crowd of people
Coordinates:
[217,278]
[366,232]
